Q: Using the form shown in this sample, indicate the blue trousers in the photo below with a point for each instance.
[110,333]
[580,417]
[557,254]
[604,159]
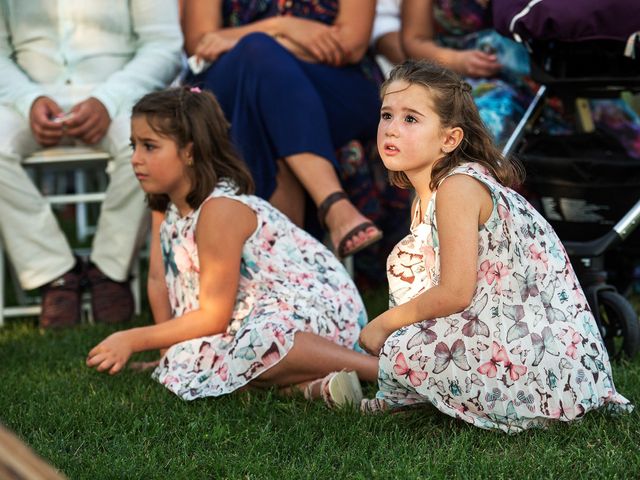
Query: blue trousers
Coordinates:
[280,106]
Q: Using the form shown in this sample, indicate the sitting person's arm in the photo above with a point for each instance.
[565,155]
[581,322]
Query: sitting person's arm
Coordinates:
[219,252]
[418,41]
[310,40]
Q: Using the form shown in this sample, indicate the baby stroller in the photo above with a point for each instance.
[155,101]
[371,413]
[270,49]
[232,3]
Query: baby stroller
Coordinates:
[584,183]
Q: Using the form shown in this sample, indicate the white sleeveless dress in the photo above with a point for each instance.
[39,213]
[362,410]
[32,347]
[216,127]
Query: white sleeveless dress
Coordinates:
[289,283]
[526,352]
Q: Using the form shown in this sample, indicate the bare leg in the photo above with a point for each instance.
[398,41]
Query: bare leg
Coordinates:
[313,357]
[319,178]
[288,196]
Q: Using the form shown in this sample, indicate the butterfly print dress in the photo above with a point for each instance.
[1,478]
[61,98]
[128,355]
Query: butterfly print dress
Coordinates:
[525,352]
[289,283]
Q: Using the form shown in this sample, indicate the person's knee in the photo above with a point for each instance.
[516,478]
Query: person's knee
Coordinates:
[261,52]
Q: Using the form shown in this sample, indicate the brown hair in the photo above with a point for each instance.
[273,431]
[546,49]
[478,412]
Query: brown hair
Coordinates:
[454,105]
[191,116]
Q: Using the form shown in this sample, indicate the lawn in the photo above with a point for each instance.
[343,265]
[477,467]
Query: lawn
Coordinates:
[90,425]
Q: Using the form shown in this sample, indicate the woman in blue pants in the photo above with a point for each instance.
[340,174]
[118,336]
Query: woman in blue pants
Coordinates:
[293,80]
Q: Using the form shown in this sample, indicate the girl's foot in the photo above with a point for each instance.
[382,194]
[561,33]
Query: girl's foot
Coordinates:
[373,406]
[336,389]
[350,231]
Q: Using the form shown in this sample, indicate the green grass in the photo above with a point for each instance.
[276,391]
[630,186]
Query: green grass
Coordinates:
[90,425]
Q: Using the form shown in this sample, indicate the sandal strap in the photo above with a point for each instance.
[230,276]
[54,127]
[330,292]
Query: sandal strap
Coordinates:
[324,390]
[327,203]
[308,390]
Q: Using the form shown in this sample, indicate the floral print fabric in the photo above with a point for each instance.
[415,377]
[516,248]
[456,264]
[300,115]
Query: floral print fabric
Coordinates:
[526,352]
[289,283]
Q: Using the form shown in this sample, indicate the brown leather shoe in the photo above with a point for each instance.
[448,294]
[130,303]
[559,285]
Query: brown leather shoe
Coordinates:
[111,302]
[61,301]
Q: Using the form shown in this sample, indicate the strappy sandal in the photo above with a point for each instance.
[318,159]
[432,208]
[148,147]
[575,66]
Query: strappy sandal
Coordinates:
[337,389]
[373,406]
[341,250]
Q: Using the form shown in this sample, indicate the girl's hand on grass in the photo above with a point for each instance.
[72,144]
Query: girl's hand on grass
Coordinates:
[111,354]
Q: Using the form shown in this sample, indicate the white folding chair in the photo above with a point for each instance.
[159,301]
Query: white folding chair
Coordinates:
[46,166]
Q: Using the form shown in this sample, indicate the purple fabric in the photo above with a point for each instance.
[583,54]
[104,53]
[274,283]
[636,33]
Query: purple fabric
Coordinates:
[568,20]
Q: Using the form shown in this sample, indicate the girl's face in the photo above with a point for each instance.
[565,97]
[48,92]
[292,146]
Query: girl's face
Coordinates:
[410,136]
[159,166]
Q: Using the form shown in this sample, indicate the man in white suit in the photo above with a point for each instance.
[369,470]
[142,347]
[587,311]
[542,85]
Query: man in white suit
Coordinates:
[71,70]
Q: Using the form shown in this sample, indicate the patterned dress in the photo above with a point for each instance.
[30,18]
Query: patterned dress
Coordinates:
[289,283]
[526,352]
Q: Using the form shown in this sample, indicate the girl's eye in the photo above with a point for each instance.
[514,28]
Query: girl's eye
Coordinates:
[410,119]
[149,147]
[132,146]
[385,115]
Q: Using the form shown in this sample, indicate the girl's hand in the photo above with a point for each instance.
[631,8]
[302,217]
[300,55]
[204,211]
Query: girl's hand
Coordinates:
[212,45]
[111,354]
[375,333]
[475,63]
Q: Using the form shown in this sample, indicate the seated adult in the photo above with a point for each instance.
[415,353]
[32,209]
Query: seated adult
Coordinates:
[293,79]
[70,75]
[451,33]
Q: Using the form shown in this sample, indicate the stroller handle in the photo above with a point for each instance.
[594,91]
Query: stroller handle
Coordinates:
[621,230]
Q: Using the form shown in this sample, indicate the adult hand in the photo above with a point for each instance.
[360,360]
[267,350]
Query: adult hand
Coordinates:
[476,63]
[111,354]
[45,130]
[89,122]
[321,41]
[212,45]
[375,333]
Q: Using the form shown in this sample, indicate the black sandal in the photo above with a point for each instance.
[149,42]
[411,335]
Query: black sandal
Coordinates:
[341,250]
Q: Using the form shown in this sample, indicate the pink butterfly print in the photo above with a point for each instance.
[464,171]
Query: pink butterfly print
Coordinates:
[424,335]
[223,372]
[572,348]
[493,272]
[416,377]
[279,334]
[498,355]
[444,356]
[474,325]
[538,255]
[568,413]
[487,272]
[515,371]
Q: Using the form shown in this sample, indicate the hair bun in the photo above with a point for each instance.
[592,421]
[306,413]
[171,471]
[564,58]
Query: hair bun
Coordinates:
[464,86]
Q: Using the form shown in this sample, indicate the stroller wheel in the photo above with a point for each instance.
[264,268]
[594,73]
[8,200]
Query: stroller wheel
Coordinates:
[619,324]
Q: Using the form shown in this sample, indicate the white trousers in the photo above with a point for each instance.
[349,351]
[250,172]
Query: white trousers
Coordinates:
[34,242]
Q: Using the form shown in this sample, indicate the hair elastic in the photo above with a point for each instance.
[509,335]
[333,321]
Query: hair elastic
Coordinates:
[195,90]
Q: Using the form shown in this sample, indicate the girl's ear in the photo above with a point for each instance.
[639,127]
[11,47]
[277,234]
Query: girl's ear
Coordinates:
[451,139]
[187,154]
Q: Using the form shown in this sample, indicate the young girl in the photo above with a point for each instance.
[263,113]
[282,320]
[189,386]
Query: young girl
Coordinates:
[488,321]
[247,298]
